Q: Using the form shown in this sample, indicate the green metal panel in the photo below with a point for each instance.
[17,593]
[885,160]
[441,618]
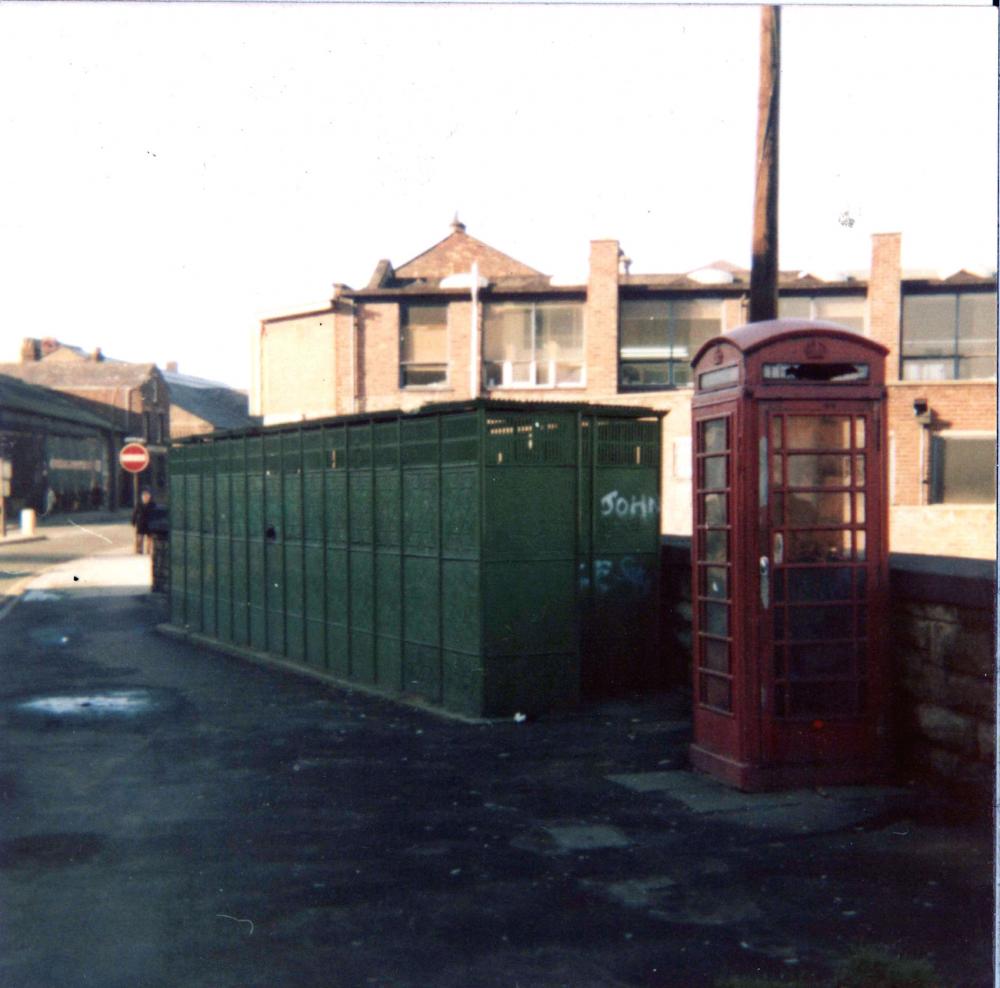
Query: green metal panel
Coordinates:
[460,514]
[295,618]
[274,574]
[178,532]
[388,618]
[193,594]
[362,611]
[257,582]
[489,557]
[337,612]
[315,605]
[421,503]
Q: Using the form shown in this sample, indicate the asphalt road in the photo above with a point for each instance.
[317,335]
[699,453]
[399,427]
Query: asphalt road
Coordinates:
[174,817]
[64,539]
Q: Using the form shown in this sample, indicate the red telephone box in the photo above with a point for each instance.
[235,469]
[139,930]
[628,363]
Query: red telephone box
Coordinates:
[790,557]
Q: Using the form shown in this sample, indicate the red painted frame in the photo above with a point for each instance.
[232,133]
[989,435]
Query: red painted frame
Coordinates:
[752,745]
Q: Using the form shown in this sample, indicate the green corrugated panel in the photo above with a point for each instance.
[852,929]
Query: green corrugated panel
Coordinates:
[193,606]
[359,445]
[389,619]
[362,614]
[274,574]
[315,605]
[338,605]
[491,558]
[208,588]
[240,592]
[295,626]
[360,507]
[460,512]
[420,511]
[257,582]
[223,580]
[388,523]
[336,506]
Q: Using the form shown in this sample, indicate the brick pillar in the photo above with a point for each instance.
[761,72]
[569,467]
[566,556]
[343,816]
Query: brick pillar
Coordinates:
[885,299]
[602,319]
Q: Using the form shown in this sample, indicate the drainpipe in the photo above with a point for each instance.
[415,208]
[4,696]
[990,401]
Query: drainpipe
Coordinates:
[925,418]
[473,332]
[356,329]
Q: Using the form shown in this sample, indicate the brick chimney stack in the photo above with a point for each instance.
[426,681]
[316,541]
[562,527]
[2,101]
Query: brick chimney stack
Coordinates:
[31,350]
[171,366]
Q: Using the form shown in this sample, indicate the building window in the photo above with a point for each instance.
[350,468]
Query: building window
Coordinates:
[845,310]
[423,350]
[533,345]
[659,338]
[146,426]
[949,336]
[963,469]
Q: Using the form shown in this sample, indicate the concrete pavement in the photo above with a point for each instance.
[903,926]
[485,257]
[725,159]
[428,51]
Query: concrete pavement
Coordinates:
[177,817]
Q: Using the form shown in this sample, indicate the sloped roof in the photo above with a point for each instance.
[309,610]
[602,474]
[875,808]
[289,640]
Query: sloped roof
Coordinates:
[218,404]
[17,396]
[81,373]
[456,253]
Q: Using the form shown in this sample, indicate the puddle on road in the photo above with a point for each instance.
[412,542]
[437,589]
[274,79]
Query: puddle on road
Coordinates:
[113,702]
[39,596]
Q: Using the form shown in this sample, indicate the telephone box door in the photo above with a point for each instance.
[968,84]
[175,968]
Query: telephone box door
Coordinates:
[819,545]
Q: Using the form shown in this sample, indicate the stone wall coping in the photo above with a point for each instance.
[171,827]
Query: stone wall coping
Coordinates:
[944,579]
[929,579]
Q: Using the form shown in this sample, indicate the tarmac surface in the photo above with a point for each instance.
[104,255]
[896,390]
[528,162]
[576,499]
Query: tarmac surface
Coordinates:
[172,816]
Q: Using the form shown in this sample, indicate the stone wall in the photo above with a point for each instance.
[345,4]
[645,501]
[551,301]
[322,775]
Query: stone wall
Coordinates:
[943,625]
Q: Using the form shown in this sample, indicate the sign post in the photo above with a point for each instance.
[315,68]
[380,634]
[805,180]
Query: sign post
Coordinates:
[134,458]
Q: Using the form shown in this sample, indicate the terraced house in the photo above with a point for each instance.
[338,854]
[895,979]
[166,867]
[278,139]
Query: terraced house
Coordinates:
[463,319]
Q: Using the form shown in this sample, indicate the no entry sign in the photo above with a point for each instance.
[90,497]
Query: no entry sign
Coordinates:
[134,457]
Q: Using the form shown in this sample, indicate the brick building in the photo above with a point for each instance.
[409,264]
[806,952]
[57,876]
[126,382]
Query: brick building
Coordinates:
[198,406]
[463,319]
[132,398]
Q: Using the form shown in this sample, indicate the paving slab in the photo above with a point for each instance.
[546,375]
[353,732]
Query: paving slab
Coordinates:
[796,811]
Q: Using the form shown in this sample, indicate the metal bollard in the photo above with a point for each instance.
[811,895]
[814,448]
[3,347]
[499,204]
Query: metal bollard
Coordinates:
[28,519]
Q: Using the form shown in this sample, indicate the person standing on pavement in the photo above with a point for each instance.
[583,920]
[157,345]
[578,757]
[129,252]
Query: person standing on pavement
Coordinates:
[140,519]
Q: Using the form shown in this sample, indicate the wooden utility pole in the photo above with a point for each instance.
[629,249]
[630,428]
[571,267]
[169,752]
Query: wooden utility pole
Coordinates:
[764,266]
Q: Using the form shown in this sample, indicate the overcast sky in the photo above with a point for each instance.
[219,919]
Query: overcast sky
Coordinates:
[173,173]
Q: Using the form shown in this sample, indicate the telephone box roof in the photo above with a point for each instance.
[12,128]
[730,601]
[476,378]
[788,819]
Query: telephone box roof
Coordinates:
[754,335]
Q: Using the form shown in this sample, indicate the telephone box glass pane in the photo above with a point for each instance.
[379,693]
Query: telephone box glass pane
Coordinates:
[818,432]
[714,472]
[716,582]
[713,436]
[811,661]
[715,655]
[861,585]
[805,623]
[715,509]
[715,619]
[822,699]
[859,471]
[820,583]
[860,551]
[817,508]
[859,432]
[859,508]
[715,547]
[716,692]
[776,432]
[819,470]
[817,546]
